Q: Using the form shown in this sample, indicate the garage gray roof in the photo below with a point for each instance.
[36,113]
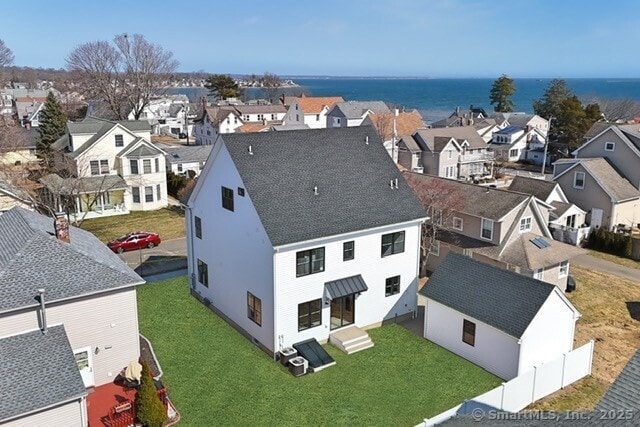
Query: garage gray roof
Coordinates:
[625,391]
[185,154]
[506,300]
[540,188]
[355,109]
[31,257]
[352,177]
[37,371]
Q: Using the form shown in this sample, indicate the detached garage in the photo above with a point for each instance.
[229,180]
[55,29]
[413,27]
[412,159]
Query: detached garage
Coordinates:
[505,322]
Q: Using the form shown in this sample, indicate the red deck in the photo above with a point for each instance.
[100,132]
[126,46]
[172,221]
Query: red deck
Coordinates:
[103,399]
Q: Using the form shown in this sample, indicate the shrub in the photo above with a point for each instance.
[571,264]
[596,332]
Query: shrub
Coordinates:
[175,183]
[150,410]
[610,242]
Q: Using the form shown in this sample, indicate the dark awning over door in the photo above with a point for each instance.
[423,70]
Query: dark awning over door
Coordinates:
[343,287]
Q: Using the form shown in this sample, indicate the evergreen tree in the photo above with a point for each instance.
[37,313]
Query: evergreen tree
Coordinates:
[53,124]
[222,86]
[554,95]
[150,410]
[501,92]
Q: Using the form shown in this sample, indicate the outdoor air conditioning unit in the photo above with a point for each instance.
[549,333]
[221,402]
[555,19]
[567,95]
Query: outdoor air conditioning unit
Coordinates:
[418,170]
[286,354]
[298,366]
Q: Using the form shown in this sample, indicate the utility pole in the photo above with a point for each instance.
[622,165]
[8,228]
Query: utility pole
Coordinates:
[395,135]
[546,144]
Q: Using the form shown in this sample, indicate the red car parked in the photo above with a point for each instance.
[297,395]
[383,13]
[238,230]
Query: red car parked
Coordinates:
[136,240]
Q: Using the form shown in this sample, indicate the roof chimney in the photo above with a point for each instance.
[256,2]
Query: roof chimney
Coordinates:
[61,226]
[43,313]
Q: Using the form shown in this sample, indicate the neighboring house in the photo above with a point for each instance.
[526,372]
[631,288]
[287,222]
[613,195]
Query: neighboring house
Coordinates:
[181,159]
[596,186]
[454,153]
[28,110]
[263,114]
[309,110]
[114,166]
[486,128]
[11,196]
[320,230]
[566,220]
[500,320]
[169,115]
[214,121]
[68,319]
[462,118]
[21,150]
[353,113]
[525,120]
[391,125]
[6,103]
[513,142]
[500,227]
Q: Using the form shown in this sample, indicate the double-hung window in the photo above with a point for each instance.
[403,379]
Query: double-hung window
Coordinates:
[148,194]
[227,198]
[119,140]
[392,243]
[487,229]
[203,273]
[146,166]
[348,250]
[133,164]
[525,224]
[469,332]
[135,193]
[392,286]
[309,262]
[578,180]
[309,314]
[198,226]
[458,223]
[254,308]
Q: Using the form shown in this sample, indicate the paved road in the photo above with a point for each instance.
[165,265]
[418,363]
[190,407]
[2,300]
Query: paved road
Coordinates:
[595,263]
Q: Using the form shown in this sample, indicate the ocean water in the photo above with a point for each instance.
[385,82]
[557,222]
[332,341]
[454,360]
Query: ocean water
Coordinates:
[437,98]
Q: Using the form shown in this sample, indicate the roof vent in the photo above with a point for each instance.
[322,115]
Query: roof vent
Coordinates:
[366,139]
[315,190]
[250,151]
[393,183]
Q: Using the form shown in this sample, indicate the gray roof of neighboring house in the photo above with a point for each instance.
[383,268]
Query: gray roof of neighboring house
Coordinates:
[289,127]
[624,393]
[86,185]
[37,371]
[7,187]
[506,300]
[144,150]
[560,208]
[510,130]
[216,114]
[352,177]
[540,188]
[596,128]
[612,181]
[261,109]
[355,109]
[186,154]
[410,143]
[485,202]
[459,133]
[31,257]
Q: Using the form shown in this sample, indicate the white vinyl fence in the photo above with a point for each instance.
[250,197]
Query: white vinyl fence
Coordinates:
[525,389]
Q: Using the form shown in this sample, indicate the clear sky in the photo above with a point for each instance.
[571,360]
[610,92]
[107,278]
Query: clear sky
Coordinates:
[424,38]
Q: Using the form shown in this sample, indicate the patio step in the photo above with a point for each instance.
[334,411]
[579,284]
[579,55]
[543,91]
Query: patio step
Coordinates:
[351,340]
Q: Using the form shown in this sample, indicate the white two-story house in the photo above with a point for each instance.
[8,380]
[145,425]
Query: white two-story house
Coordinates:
[353,113]
[114,169]
[309,110]
[213,121]
[296,236]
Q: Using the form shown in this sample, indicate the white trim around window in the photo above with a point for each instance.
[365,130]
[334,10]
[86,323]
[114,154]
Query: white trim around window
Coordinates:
[525,224]
[487,225]
[564,269]
[458,223]
[578,180]
[609,146]
[435,248]
[539,274]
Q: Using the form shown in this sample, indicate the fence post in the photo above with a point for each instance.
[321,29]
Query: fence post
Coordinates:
[502,397]
[592,342]
[533,386]
[564,363]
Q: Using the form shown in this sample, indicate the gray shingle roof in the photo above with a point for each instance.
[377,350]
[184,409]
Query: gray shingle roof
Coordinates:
[97,127]
[184,154]
[31,257]
[261,109]
[87,185]
[352,179]
[604,172]
[625,391]
[500,298]
[539,188]
[355,109]
[459,133]
[37,371]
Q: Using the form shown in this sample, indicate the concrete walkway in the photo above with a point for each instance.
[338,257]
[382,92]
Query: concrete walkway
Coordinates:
[594,263]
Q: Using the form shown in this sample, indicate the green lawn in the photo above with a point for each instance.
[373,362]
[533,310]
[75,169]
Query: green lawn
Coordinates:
[217,377]
[168,222]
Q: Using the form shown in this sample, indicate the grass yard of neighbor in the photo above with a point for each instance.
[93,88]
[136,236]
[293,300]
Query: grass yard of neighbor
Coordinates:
[627,262]
[168,223]
[216,376]
[610,308]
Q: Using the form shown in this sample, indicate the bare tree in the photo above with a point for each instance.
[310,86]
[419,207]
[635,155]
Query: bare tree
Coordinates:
[441,199]
[271,84]
[383,123]
[616,110]
[126,75]
[6,55]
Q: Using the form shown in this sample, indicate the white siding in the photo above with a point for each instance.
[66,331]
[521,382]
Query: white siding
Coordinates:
[104,149]
[108,322]
[494,350]
[315,122]
[235,247]
[372,306]
[549,335]
[67,415]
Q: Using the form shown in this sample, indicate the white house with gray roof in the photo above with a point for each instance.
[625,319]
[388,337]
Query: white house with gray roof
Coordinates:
[500,320]
[68,319]
[301,235]
[353,113]
[114,166]
[181,159]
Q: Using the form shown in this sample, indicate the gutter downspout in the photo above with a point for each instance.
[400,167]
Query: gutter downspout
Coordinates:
[43,313]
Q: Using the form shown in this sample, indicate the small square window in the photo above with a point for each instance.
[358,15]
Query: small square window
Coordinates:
[240,191]
[227,198]
[458,223]
[609,146]
[348,250]
[469,332]
[392,286]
